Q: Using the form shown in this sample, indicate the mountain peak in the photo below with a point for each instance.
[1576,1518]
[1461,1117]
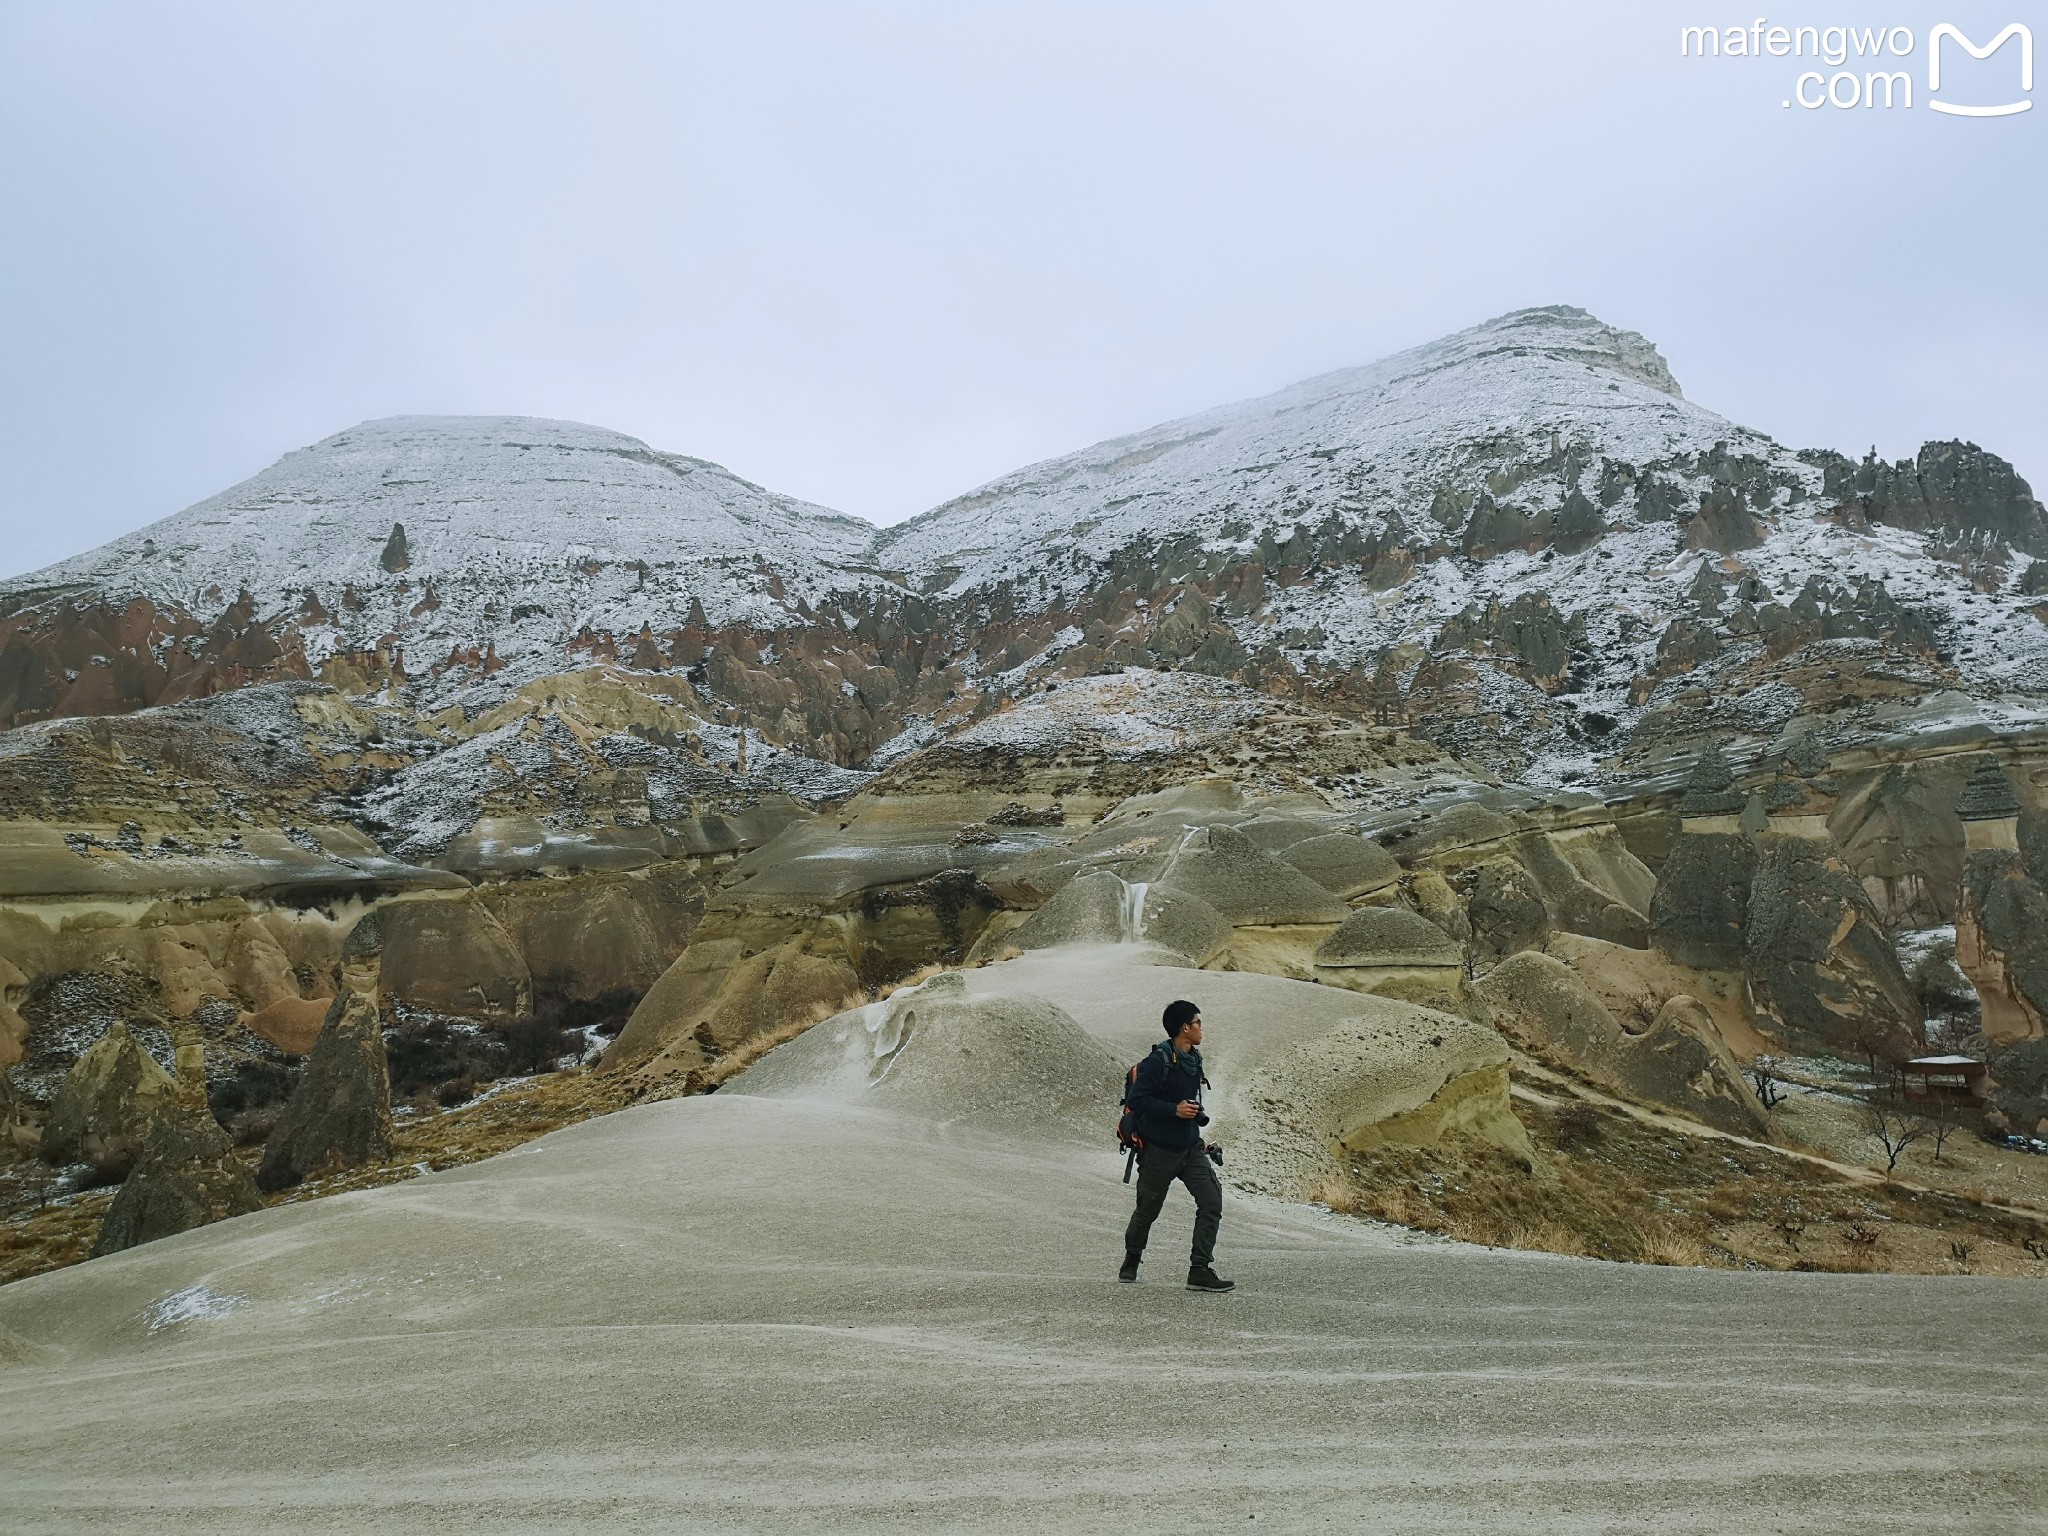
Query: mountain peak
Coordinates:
[1561,331]
[1461,416]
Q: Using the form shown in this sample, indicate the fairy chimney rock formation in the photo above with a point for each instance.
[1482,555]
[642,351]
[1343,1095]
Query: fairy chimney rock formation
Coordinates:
[341,1111]
[1711,802]
[1989,808]
[187,1174]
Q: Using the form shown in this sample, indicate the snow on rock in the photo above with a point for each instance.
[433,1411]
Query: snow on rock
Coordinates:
[1368,443]
[194,1303]
[481,530]
[1132,715]
[1527,522]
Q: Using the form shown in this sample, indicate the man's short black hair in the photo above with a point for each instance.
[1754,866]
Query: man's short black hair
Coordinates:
[1177,1014]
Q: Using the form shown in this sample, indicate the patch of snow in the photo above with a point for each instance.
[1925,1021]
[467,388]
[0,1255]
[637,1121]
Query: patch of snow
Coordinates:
[193,1303]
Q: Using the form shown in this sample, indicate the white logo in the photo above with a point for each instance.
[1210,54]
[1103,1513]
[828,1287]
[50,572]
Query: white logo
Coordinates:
[1864,61]
[1934,67]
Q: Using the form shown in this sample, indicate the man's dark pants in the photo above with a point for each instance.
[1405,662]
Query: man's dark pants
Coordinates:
[1158,1167]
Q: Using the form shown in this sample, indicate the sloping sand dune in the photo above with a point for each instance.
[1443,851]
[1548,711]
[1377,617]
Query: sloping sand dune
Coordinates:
[804,1308]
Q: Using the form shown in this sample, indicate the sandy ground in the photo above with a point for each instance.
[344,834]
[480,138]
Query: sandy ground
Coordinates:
[772,1314]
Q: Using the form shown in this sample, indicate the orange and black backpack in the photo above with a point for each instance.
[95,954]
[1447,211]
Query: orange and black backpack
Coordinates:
[1127,1136]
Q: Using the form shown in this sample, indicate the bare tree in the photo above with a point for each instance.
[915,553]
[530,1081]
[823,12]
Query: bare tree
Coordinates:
[1942,1120]
[1763,1072]
[1893,1128]
[1874,1042]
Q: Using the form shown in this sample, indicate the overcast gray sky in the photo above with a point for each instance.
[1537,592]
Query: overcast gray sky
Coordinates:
[873,255]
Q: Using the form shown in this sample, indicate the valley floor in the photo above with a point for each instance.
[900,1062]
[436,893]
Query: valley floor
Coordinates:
[758,1314]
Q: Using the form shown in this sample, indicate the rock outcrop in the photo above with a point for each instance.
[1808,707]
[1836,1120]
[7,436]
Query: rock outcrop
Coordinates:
[743,974]
[1506,911]
[2002,944]
[1825,972]
[1388,936]
[1897,829]
[340,1112]
[1700,914]
[1392,952]
[1344,864]
[1590,883]
[1701,905]
[600,938]
[1223,869]
[996,1066]
[2019,1086]
[453,957]
[1099,908]
[1953,485]
[102,1113]
[1678,1062]
[187,1174]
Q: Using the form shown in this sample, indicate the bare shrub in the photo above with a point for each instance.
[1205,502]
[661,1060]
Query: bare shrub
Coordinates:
[1763,1076]
[1893,1128]
[1942,1120]
[1862,1243]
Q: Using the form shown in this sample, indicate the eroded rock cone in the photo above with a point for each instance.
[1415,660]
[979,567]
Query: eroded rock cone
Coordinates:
[187,1176]
[2002,944]
[1344,864]
[341,1112]
[1822,969]
[1223,868]
[101,1114]
[1506,912]
[1099,908]
[1700,911]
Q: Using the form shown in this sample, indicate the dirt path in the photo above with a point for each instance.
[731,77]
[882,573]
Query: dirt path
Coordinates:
[1857,1173]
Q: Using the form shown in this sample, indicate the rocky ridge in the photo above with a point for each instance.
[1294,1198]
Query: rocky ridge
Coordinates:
[1522,540]
[1496,680]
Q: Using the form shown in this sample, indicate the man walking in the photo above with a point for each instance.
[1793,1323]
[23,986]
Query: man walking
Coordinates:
[1166,1103]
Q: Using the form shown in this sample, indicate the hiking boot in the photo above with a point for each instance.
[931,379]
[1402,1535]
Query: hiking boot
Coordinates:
[1129,1273]
[1203,1278]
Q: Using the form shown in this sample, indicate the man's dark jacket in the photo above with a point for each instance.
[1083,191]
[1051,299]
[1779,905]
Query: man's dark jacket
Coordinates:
[1166,1079]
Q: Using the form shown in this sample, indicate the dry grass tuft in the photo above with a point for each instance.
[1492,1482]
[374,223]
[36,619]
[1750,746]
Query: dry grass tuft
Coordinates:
[52,1236]
[922,974]
[750,1050]
[1669,1245]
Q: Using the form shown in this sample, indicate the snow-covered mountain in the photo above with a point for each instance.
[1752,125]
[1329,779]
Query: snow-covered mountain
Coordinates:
[1420,435]
[478,510]
[1523,530]
[445,549]
[1521,538]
